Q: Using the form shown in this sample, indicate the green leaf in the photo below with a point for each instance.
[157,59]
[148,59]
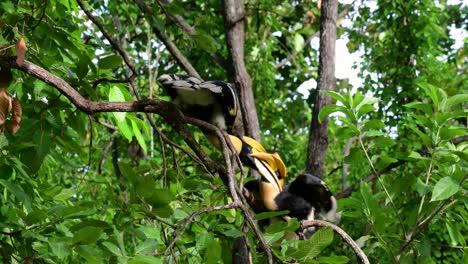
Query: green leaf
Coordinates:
[329,109]
[271,214]
[454,233]
[87,235]
[457,99]
[421,187]
[89,253]
[430,91]
[366,103]
[3,141]
[145,260]
[112,248]
[298,42]
[125,129]
[42,140]
[312,247]
[337,96]
[146,247]
[372,124]
[116,95]
[65,194]
[138,134]
[205,41]
[18,192]
[203,240]
[421,106]
[110,62]
[161,197]
[8,7]
[444,188]
[279,226]
[367,108]
[357,99]
[36,216]
[213,253]
[61,250]
[415,155]
[425,139]
[333,260]
[233,233]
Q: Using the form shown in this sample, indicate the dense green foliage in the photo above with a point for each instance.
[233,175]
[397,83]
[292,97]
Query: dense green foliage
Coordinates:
[77,188]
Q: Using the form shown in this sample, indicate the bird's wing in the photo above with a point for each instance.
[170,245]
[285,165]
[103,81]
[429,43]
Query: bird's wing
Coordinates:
[180,81]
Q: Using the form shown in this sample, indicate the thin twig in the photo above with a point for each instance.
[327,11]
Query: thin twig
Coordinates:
[382,184]
[184,223]
[171,47]
[111,40]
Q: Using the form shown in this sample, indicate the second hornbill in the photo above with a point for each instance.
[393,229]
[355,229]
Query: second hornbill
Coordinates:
[306,198]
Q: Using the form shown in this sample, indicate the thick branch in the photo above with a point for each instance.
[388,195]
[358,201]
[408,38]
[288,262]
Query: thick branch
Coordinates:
[318,137]
[354,246]
[234,12]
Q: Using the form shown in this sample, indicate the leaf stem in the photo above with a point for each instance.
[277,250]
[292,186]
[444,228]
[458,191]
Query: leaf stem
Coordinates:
[381,183]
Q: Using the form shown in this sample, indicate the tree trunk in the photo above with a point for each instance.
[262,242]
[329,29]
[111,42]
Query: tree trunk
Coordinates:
[318,136]
[234,15]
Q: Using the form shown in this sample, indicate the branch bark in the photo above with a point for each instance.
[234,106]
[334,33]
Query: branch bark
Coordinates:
[318,136]
[234,15]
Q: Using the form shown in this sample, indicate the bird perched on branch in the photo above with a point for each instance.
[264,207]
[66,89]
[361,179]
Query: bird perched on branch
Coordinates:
[306,198]
[214,102]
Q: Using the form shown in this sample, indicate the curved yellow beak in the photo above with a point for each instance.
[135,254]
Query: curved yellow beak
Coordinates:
[274,161]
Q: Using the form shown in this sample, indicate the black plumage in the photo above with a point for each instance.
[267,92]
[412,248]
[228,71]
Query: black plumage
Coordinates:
[212,101]
[307,198]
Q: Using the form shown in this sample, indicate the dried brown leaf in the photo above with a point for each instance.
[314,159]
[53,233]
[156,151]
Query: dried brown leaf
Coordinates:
[20,51]
[5,106]
[16,113]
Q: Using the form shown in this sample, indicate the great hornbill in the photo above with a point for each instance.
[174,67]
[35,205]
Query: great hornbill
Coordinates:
[306,198]
[214,102]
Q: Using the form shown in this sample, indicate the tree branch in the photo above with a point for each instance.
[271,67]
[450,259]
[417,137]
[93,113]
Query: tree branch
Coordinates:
[234,12]
[318,135]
